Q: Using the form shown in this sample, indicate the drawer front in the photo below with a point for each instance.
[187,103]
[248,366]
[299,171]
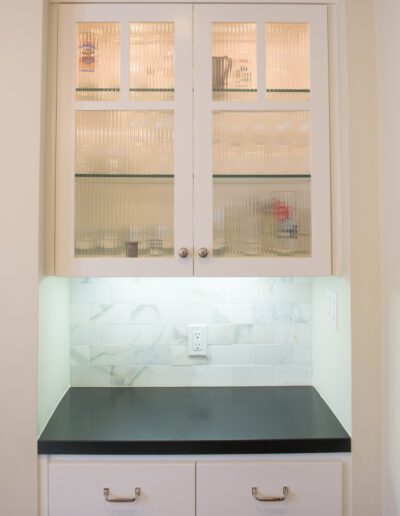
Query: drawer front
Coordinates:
[225,488]
[78,489]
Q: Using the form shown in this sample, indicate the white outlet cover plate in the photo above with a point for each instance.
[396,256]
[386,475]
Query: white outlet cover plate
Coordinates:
[197,340]
[332,307]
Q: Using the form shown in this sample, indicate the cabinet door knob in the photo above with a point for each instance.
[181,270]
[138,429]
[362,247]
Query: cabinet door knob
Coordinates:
[183,252]
[117,499]
[254,492]
[203,252]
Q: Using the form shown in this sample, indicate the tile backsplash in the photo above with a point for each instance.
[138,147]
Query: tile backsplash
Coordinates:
[133,331]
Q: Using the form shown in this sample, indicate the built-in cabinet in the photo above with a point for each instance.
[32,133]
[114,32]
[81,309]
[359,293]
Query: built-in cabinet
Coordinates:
[203,487]
[192,140]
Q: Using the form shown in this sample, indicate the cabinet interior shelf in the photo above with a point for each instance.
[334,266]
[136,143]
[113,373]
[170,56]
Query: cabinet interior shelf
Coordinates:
[133,176]
[254,90]
[261,176]
[150,90]
[215,176]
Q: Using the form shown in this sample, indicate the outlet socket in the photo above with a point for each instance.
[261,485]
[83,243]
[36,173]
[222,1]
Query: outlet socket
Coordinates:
[197,340]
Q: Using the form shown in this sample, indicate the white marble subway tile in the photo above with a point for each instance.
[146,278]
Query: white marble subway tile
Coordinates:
[220,334]
[79,314]
[164,376]
[235,313]
[150,355]
[180,357]
[301,334]
[126,335]
[273,355]
[126,376]
[292,293]
[79,355]
[255,375]
[302,355]
[109,355]
[304,281]
[144,314]
[282,333]
[263,313]
[168,334]
[110,314]
[86,335]
[88,290]
[302,313]
[231,355]
[290,333]
[90,376]
[210,376]
[293,374]
[253,334]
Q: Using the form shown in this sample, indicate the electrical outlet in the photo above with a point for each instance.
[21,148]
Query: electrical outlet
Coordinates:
[197,340]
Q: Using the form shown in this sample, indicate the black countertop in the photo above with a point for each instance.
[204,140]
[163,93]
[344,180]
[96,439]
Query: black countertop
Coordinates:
[180,420]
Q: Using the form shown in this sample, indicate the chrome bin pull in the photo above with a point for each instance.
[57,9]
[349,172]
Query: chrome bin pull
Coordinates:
[117,499]
[254,492]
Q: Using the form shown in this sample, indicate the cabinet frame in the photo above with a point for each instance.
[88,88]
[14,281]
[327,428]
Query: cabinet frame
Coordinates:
[197,233]
[319,263]
[69,15]
[344,458]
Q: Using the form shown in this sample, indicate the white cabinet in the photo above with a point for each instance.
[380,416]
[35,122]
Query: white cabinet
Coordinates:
[104,488]
[250,488]
[212,486]
[192,140]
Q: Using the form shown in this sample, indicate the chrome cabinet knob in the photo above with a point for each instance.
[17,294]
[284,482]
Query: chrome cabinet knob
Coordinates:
[203,252]
[183,252]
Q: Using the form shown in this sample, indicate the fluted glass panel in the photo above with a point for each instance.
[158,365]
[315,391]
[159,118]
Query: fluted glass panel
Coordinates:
[124,216]
[98,61]
[287,53]
[261,142]
[234,61]
[124,142]
[152,74]
[261,217]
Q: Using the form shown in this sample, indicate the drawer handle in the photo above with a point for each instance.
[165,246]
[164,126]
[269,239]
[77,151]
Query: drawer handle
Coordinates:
[254,492]
[117,499]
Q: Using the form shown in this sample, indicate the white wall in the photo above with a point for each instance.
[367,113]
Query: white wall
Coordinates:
[20,130]
[388,48]
[364,257]
[332,348]
[53,370]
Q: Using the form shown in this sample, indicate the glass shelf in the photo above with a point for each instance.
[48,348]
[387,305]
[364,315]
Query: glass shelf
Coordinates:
[262,176]
[91,90]
[268,90]
[129,176]
[153,90]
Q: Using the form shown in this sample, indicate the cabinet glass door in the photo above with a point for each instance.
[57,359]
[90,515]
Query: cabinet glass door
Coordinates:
[124,184]
[261,132]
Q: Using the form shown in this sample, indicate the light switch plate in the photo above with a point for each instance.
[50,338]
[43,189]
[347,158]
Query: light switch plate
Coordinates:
[332,307]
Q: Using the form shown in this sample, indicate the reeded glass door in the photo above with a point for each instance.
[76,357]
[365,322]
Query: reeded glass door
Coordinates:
[261,133]
[124,166]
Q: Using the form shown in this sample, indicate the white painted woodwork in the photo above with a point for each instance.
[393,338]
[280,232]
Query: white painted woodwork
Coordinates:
[225,488]
[76,488]
[294,2]
[319,264]
[219,486]
[181,15]
[193,185]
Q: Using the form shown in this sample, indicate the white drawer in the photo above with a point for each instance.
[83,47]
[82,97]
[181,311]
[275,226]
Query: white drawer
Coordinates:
[225,488]
[77,489]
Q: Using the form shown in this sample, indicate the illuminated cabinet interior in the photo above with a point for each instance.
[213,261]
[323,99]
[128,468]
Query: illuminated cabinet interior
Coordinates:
[215,169]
